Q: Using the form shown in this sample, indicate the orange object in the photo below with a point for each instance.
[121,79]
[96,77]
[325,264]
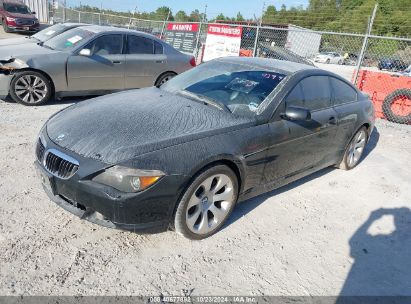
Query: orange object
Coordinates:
[246,53]
[379,85]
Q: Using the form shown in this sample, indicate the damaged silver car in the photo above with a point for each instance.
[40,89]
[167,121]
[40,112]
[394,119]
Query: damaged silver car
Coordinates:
[87,61]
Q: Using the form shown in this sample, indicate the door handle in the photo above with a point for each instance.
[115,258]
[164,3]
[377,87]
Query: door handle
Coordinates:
[159,61]
[116,62]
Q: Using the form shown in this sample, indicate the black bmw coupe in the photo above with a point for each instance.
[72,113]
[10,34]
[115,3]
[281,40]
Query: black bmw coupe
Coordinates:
[181,156]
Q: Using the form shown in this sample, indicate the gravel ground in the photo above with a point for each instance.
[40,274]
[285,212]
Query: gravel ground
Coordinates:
[332,232]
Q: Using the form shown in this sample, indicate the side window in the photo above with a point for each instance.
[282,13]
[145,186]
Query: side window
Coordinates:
[139,45]
[317,92]
[158,48]
[295,98]
[342,92]
[106,45]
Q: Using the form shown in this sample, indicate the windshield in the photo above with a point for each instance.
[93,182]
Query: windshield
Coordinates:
[234,87]
[16,8]
[69,40]
[50,32]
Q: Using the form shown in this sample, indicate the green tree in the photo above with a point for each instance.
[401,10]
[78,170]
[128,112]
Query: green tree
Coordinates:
[181,16]
[239,17]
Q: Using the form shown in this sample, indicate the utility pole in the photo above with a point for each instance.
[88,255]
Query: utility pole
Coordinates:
[205,14]
[257,33]
[134,14]
[164,24]
[365,43]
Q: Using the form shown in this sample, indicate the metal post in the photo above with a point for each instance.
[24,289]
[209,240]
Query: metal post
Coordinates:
[164,25]
[79,17]
[257,33]
[365,43]
[99,19]
[64,11]
[197,48]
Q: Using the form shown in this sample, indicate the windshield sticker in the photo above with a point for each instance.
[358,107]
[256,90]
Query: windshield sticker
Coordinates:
[242,85]
[272,76]
[253,106]
[49,33]
[75,39]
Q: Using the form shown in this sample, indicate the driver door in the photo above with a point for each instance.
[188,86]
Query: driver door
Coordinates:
[300,146]
[103,70]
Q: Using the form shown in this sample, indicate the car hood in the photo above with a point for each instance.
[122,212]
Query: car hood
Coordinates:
[121,126]
[24,51]
[21,16]
[16,41]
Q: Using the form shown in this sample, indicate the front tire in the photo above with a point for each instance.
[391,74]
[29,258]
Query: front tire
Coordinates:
[30,88]
[5,27]
[355,150]
[207,203]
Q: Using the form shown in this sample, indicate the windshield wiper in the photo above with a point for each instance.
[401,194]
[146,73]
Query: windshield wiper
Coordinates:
[45,46]
[205,100]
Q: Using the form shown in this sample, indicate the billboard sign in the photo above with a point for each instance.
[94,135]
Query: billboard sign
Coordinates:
[222,41]
[182,36]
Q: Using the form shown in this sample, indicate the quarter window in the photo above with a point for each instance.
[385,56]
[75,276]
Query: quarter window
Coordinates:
[140,45]
[342,92]
[158,48]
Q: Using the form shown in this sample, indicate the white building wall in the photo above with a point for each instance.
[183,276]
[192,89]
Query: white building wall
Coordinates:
[40,7]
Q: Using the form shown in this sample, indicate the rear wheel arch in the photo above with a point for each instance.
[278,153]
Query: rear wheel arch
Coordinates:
[156,83]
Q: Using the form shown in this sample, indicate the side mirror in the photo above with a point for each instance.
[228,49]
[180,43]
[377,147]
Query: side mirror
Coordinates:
[85,52]
[297,113]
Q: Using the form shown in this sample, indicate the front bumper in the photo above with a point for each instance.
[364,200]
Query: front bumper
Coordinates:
[321,60]
[5,81]
[27,29]
[148,211]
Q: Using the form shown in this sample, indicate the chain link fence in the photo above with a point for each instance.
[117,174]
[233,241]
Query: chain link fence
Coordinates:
[379,66]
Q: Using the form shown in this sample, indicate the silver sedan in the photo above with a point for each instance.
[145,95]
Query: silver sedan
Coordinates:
[86,61]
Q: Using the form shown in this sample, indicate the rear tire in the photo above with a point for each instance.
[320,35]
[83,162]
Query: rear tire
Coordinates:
[354,150]
[207,203]
[30,88]
[164,78]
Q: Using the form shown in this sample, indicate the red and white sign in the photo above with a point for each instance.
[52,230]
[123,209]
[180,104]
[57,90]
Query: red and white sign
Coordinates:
[222,41]
[183,27]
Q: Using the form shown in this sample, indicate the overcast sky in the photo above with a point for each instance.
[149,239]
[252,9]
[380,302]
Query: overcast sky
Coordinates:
[228,7]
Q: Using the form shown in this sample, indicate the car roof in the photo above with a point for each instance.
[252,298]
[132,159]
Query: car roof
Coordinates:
[72,24]
[287,67]
[106,29]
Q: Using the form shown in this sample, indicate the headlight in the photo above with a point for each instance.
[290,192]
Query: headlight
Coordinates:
[11,19]
[127,179]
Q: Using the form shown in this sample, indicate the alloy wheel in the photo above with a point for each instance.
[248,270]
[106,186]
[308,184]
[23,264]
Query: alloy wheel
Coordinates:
[31,89]
[210,204]
[356,148]
[165,79]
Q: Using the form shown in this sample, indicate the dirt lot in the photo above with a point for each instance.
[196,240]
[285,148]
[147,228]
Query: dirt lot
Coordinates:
[320,236]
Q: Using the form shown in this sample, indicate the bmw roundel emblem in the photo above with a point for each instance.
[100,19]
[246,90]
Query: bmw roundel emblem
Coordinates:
[60,137]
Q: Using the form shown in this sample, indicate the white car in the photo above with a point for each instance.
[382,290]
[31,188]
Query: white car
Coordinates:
[329,57]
